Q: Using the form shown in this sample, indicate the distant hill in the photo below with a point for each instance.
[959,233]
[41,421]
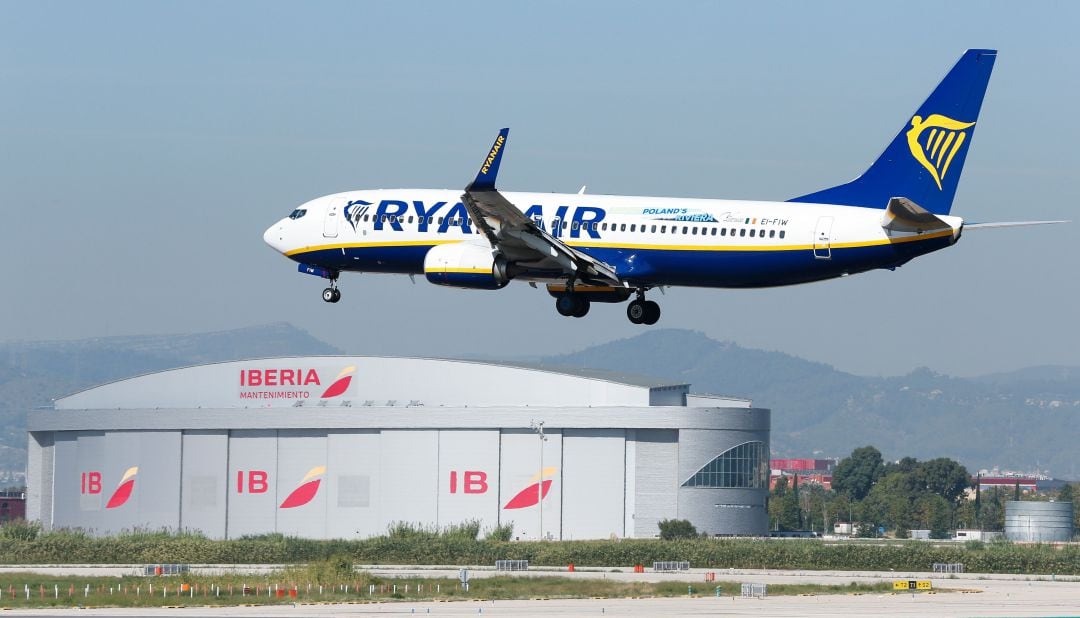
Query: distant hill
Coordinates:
[1025,419]
[34,373]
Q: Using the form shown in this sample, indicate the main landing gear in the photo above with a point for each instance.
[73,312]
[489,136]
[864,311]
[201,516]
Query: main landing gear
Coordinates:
[575,304]
[332,294]
[641,311]
[572,305]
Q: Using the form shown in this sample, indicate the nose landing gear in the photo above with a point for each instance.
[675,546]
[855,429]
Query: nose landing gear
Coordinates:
[332,294]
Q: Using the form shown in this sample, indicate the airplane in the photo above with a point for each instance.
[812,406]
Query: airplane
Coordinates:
[608,248]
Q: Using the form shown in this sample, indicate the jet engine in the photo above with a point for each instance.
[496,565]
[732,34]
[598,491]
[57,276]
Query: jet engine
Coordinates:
[466,265]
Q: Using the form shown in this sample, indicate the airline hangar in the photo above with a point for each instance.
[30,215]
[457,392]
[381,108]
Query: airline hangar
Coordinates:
[343,447]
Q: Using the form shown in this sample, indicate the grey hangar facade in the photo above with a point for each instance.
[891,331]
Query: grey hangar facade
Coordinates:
[346,446]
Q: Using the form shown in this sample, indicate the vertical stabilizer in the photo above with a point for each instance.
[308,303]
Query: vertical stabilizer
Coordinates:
[923,162]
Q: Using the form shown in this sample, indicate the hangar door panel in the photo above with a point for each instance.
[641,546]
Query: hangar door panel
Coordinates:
[204,482]
[520,487]
[77,482]
[408,477]
[656,479]
[141,481]
[593,483]
[352,465]
[301,490]
[469,477]
[252,482]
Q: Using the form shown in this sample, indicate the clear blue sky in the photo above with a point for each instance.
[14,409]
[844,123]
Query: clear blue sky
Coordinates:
[144,147]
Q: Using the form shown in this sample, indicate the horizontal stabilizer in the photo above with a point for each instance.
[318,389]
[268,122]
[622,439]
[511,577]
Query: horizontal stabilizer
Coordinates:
[904,215]
[979,226]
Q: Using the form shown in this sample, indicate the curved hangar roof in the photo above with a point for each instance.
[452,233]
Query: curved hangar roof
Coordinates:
[339,381]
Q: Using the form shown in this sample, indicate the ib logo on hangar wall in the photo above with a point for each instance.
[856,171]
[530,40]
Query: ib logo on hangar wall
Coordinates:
[538,489]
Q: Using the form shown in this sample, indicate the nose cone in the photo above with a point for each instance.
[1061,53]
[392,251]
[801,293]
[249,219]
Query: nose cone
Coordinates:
[275,236]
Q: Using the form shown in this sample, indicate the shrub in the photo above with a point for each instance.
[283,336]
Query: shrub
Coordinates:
[20,530]
[503,532]
[671,529]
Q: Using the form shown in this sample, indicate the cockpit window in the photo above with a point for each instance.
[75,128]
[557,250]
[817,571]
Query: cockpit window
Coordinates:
[299,212]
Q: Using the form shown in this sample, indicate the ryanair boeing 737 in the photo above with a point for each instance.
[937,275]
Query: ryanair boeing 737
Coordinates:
[611,248]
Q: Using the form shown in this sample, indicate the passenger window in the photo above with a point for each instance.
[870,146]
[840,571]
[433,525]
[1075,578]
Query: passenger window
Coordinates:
[633,228]
[622,228]
[694,231]
[574,226]
[772,233]
[723,231]
[752,233]
[762,234]
[663,229]
[684,229]
[654,229]
[603,226]
[781,233]
[440,220]
[742,232]
[714,231]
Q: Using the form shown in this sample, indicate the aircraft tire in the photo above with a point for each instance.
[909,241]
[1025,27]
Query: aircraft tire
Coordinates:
[652,312]
[635,311]
[337,295]
[328,295]
[566,305]
[581,307]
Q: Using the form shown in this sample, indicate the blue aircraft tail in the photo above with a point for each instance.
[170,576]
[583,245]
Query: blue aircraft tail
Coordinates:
[924,160]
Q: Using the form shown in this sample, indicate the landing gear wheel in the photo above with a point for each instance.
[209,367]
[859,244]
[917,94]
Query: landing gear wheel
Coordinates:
[337,295]
[652,312]
[582,307]
[635,311]
[566,305]
[331,295]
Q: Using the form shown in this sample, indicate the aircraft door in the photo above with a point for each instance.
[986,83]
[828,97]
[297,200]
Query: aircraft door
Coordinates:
[333,215]
[823,239]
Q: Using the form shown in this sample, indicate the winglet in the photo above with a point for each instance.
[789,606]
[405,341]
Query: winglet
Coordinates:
[489,169]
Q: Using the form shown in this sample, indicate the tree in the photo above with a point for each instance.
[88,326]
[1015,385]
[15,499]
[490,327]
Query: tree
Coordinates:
[944,477]
[856,475]
[671,529]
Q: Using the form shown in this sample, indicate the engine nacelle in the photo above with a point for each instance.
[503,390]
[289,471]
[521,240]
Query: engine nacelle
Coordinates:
[465,265]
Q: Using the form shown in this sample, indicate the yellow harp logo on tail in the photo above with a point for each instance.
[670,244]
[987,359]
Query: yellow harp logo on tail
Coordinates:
[935,141]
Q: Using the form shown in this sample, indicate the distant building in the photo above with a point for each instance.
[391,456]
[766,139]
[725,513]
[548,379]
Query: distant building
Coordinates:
[802,471]
[1027,483]
[12,505]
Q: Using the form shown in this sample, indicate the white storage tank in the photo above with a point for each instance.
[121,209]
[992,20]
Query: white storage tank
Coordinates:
[1043,522]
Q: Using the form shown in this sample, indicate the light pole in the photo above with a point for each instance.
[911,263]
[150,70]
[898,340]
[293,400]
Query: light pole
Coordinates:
[538,427]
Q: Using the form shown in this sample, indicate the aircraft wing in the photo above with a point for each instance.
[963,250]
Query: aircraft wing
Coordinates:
[518,237]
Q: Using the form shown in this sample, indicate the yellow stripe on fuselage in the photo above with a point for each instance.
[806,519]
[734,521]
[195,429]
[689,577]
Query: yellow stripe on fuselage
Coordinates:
[616,245]
[481,271]
[360,245]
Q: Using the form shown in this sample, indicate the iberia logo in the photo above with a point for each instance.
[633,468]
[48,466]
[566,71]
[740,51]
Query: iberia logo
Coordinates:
[943,141]
[124,489]
[341,383]
[531,495]
[309,486]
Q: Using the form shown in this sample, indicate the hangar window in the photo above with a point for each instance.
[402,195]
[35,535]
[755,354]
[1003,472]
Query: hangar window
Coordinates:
[296,214]
[743,466]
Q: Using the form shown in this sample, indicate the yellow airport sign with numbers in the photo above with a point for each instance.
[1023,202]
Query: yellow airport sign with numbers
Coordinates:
[912,584]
